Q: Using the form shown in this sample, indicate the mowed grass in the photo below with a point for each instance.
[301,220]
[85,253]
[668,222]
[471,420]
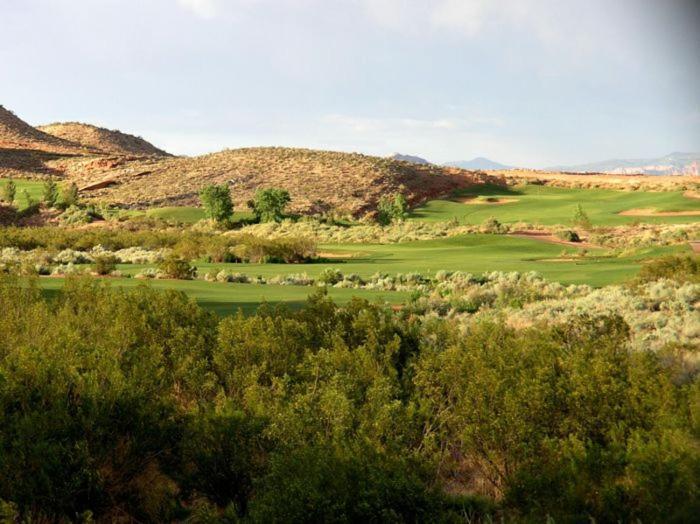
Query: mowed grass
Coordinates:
[469,253]
[227,299]
[552,205]
[33,188]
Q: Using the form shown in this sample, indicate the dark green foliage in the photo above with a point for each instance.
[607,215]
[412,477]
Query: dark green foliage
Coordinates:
[105,264]
[681,268]
[269,205]
[288,250]
[139,405]
[217,202]
[568,235]
[9,190]
[392,208]
[176,267]
[50,193]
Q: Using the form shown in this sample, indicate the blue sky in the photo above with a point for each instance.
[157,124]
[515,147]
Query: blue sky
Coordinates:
[524,82]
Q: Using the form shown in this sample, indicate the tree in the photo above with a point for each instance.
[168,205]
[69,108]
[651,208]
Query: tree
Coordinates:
[392,208]
[9,191]
[69,195]
[268,205]
[581,217]
[217,203]
[50,193]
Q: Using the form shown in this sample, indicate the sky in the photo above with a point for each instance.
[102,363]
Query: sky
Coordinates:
[524,82]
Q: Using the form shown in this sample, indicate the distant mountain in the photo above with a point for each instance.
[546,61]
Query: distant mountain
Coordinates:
[478,163]
[409,158]
[673,164]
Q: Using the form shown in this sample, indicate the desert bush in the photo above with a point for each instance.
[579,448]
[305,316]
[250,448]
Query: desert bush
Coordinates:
[568,235]
[290,250]
[79,215]
[681,268]
[493,226]
[105,264]
[9,191]
[173,266]
[580,218]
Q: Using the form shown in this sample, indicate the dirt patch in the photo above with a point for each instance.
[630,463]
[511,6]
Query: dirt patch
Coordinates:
[476,201]
[692,194]
[651,212]
[545,236]
[695,246]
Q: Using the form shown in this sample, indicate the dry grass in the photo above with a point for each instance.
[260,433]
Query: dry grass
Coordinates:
[599,180]
[108,141]
[317,180]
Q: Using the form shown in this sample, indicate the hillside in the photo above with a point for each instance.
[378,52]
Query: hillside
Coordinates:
[16,134]
[108,141]
[349,182]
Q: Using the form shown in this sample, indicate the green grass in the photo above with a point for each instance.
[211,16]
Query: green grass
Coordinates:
[470,253]
[35,189]
[552,205]
[226,299]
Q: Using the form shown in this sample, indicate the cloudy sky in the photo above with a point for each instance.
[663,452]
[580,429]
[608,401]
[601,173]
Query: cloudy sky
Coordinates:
[525,82]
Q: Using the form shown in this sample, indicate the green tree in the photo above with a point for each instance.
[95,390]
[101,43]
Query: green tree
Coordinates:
[69,195]
[392,208]
[268,205]
[50,193]
[9,190]
[217,203]
[581,217]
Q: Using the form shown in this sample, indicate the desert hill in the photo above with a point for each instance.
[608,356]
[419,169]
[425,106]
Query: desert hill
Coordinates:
[348,182]
[107,141]
[16,134]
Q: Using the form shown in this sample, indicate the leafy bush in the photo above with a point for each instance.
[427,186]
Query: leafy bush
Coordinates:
[580,218]
[50,193]
[9,191]
[268,205]
[217,202]
[493,226]
[175,267]
[105,264]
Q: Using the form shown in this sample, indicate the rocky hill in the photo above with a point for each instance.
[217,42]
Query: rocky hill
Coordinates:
[16,134]
[107,141]
[348,182]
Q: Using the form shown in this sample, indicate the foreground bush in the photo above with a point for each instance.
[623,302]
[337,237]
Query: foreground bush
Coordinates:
[119,405]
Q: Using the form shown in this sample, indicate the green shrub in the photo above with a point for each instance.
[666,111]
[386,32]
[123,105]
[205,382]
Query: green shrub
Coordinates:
[50,193]
[9,191]
[178,268]
[493,226]
[70,196]
[217,202]
[580,218]
[105,264]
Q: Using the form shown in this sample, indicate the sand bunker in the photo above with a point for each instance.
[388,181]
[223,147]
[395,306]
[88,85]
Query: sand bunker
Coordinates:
[490,201]
[651,212]
[544,236]
[695,246]
[692,194]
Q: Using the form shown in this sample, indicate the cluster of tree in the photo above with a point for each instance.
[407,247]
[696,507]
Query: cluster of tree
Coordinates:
[51,196]
[392,208]
[139,405]
[268,205]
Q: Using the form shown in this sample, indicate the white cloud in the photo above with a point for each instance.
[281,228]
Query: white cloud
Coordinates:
[206,9]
